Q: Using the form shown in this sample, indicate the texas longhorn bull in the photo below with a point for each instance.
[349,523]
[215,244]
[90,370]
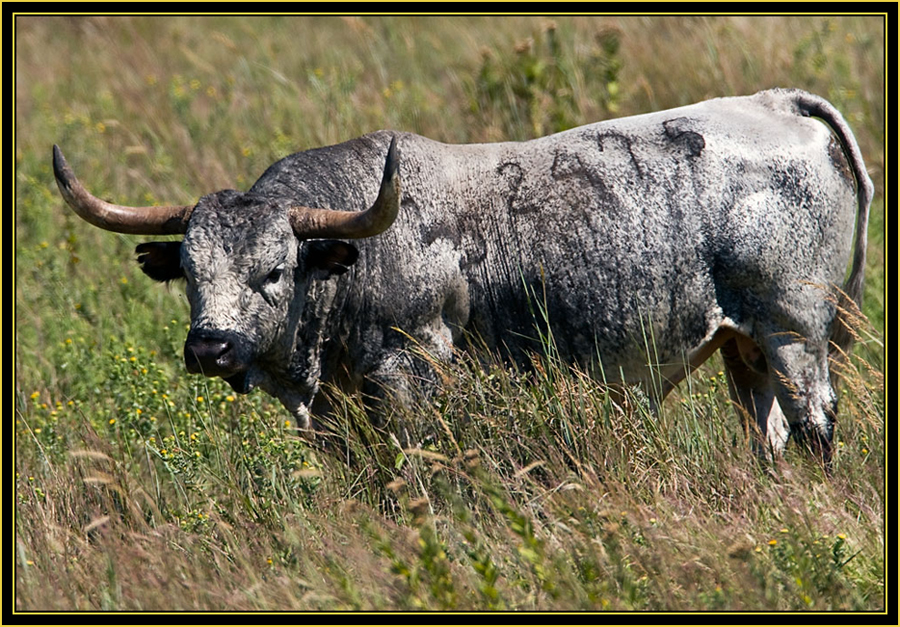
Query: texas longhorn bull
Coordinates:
[726,224]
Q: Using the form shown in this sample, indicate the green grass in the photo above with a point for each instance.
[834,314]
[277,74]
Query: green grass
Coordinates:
[139,487]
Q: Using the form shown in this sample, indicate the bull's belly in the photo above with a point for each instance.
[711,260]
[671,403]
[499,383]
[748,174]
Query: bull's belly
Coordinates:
[614,346]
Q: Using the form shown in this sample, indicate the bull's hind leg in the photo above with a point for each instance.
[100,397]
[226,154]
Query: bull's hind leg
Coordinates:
[751,391]
[798,367]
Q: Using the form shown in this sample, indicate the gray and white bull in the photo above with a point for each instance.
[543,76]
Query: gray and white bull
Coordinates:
[643,244]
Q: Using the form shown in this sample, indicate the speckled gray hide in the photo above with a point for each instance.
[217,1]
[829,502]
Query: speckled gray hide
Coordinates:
[634,241]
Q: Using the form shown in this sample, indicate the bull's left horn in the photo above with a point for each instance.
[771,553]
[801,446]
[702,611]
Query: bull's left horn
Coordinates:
[118,218]
[326,223]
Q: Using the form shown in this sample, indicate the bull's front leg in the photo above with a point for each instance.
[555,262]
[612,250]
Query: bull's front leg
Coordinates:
[405,376]
[298,404]
[399,382]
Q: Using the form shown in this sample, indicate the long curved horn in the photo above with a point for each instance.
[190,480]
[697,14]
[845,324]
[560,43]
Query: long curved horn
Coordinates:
[118,218]
[327,223]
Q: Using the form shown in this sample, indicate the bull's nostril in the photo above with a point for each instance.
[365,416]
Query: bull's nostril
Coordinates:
[209,356]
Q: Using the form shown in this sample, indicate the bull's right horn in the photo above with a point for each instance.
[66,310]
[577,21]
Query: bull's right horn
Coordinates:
[118,218]
[311,223]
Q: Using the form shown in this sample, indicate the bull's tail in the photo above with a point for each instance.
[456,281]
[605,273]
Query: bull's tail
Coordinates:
[850,300]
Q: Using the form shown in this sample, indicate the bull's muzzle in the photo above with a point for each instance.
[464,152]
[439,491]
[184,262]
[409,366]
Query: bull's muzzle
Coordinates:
[212,355]
[218,355]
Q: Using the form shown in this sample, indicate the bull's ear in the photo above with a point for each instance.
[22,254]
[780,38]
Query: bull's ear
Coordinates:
[161,261]
[329,256]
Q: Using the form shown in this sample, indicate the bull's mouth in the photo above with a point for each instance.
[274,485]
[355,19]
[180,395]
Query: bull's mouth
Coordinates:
[240,382]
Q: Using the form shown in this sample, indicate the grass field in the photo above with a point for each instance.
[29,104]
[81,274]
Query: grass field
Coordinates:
[138,487]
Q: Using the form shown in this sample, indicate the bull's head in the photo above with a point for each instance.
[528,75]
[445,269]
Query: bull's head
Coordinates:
[248,261]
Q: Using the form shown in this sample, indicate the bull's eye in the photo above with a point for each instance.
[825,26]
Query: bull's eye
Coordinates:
[275,275]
